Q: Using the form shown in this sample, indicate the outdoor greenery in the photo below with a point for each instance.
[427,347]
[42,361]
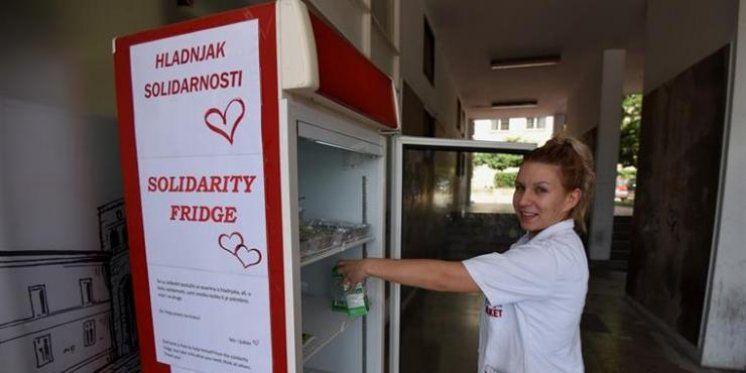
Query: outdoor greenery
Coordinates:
[629,139]
[499,161]
[505,179]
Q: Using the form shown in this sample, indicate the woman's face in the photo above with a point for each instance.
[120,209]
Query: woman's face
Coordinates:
[540,199]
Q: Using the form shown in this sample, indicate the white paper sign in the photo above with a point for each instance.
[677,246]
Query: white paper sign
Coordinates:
[199,150]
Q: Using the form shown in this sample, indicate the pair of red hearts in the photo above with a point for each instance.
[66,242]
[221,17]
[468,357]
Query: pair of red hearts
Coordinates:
[234,244]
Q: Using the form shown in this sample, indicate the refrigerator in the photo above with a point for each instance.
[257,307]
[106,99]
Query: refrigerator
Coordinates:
[254,151]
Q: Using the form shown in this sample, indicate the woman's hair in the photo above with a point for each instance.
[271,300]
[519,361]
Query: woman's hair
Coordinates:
[576,167]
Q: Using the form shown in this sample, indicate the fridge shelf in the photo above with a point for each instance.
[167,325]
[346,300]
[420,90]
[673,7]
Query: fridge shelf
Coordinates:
[312,258]
[321,322]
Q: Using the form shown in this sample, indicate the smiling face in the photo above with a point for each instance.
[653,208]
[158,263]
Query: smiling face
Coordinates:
[540,199]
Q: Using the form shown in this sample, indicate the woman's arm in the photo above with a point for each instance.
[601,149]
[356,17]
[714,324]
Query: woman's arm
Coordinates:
[438,275]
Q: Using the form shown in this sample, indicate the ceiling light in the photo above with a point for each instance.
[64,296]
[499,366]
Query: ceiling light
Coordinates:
[519,63]
[522,104]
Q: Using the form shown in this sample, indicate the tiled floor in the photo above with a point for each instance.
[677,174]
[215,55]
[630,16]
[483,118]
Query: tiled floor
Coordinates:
[439,333]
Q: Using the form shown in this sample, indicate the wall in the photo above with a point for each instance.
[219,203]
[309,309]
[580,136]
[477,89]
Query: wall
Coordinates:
[679,33]
[439,99]
[677,188]
[583,106]
[59,164]
[724,342]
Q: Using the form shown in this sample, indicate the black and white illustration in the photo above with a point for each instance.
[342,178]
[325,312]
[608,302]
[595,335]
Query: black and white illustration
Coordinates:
[70,311]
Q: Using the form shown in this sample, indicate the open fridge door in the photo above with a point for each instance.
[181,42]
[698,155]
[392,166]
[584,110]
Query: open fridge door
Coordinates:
[417,184]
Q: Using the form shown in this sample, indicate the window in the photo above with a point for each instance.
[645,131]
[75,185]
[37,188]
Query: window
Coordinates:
[89,333]
[541,123]
[530,123]
[505,124]
[428,53]
[43,349]
[502,124]
[86,291]
[38,295]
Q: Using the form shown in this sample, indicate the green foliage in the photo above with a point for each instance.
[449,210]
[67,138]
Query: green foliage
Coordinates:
[497,161]
[629,139]
[505,179]
[628,173]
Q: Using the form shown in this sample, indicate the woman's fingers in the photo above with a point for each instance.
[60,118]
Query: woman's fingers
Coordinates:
[352,271]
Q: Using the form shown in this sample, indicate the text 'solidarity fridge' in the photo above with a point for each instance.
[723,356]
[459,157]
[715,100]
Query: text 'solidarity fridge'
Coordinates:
[253,149]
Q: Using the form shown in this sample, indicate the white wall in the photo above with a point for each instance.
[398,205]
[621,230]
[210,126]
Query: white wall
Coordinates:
[439,98]
[724,341]
[583,105]
[57,168]
[681,32]
[58,136]
[348,17]
[607,154]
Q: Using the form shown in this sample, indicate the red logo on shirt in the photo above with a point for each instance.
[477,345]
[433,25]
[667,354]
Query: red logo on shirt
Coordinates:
[493,311]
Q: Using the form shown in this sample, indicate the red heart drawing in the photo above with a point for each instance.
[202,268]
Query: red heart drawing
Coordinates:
[230,243]
[233,243]
[248,257]
[225,123]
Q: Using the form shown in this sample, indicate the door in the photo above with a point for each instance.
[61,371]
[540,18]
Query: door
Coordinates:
[433,217]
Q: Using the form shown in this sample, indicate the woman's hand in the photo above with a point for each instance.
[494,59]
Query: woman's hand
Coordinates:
[354,271]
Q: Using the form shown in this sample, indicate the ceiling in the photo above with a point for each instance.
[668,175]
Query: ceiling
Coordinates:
[471,36]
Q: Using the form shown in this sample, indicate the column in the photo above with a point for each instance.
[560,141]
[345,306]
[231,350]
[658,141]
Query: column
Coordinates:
[607,153]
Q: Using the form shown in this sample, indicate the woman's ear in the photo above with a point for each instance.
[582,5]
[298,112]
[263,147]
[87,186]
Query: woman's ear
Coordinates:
[572,199]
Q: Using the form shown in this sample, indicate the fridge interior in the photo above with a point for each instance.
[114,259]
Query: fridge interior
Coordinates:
[337,184]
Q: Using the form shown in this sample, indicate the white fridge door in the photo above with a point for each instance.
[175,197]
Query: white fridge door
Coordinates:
[401,145]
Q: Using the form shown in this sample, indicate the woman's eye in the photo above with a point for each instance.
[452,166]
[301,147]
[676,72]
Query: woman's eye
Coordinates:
[540,190]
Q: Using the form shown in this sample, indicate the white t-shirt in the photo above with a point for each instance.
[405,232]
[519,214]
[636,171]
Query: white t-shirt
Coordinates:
[535,293]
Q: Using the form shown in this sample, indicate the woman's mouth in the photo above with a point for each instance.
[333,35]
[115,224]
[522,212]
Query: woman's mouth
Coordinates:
[527,216]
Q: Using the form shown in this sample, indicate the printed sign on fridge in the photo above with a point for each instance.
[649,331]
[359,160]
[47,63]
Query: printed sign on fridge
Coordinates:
[196,100]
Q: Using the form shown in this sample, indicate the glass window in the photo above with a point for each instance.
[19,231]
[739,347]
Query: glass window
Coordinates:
[530,123]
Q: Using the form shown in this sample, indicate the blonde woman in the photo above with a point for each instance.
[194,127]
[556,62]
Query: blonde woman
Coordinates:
[534,292]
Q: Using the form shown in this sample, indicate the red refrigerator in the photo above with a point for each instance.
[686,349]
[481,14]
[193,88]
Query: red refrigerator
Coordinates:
[241,134]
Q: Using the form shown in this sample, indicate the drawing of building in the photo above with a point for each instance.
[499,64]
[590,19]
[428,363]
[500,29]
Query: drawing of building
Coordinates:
[56,311]
[70,311]
[113,235]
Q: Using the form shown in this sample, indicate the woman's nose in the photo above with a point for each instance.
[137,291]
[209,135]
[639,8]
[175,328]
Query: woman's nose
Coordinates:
[521,199]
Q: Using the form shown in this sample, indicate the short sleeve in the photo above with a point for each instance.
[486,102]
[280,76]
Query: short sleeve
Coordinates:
[522,273]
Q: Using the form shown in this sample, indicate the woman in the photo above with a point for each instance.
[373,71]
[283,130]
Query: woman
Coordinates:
[535,291]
